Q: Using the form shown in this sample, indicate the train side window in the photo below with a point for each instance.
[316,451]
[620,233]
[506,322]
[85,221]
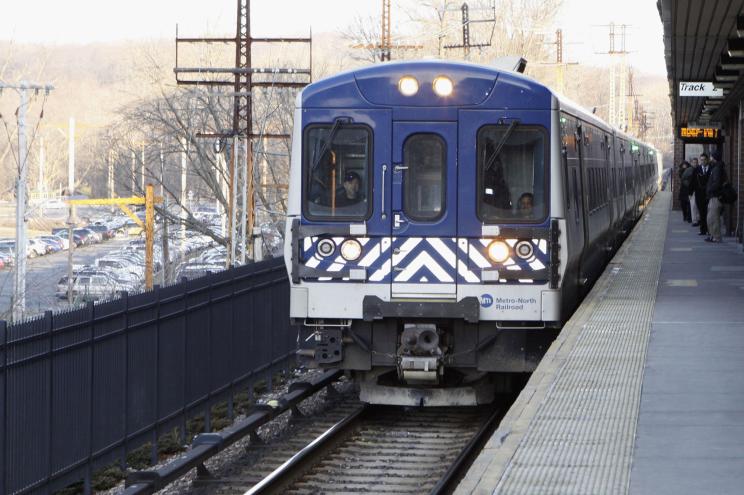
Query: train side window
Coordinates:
[425,155]
[512,173]
[337,174]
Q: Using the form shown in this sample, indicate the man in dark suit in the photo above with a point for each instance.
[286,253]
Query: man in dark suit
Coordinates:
[702,174]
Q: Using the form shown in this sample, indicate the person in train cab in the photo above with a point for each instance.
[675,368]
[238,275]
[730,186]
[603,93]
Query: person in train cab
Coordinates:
[684,191]
[694,213]
[495,189]
[713,192]
[701,198]
[350,193]
[525,204]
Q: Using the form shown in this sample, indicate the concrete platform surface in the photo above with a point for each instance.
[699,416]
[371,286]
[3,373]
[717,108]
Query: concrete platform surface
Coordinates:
[643,390]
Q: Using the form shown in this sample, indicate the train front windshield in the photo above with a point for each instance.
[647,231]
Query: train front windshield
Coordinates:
[337,184]
[511,174]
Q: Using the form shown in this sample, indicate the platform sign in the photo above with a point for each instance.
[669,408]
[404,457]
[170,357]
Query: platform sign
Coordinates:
[700,89]
[700,134]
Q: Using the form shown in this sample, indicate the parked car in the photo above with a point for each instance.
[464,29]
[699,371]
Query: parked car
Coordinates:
[104,231]
[37,248]
[77,239]
[87,236]
[93,287]
[62,242]
[7,254]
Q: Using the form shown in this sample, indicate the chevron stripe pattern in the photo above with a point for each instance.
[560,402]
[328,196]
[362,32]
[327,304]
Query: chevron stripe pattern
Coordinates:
[474,256]
[425,260]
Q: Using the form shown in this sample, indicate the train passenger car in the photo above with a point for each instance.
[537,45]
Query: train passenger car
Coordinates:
[444,219]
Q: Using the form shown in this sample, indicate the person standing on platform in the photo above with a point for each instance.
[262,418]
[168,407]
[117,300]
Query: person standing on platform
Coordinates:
[694,213]
[684,191]
[701,198]
[713,191]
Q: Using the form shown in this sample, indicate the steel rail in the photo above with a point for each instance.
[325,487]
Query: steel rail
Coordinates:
[206,445]
[446,483]
[305,456]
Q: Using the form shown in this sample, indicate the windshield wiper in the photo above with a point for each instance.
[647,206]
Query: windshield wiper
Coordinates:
[337,123]
[500,146]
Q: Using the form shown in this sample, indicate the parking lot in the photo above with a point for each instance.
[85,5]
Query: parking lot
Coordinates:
[104,264]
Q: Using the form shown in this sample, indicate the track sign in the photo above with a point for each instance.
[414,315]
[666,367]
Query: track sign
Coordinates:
[699,89]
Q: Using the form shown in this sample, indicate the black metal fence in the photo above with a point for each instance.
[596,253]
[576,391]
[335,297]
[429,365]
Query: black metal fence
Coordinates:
[83,388]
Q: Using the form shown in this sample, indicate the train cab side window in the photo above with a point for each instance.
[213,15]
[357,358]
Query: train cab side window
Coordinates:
[511,174]
[425,156]
[336,174]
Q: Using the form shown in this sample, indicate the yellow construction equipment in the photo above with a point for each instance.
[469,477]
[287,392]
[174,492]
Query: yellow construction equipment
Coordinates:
[150,200]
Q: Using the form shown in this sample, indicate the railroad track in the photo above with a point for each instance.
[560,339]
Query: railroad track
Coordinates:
[341,446]
[377,449]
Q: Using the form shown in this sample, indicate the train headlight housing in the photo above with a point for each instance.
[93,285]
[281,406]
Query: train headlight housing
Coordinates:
[408,86]
[524,249]
[351,250]
[498,251]
[443,86]
[325,247]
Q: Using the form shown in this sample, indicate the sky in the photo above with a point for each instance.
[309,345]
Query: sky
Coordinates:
[86,21]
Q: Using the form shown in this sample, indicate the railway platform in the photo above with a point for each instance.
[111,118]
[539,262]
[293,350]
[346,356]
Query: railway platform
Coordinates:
[643,390]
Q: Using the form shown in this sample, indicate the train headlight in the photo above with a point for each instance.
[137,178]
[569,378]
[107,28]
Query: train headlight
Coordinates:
[443,86]
[524,249]
[351,250]
[326,247]
[498,251]
[408,86]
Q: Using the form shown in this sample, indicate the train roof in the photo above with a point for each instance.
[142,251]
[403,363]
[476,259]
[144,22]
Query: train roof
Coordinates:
[475,86]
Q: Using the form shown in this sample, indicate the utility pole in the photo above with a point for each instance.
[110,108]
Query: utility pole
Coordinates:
[165,269]
[40,185]
[71,157]
[184,156]
[244,93]
[19,292]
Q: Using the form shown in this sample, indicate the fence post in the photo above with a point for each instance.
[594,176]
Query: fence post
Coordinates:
[50,392]
[156,377]
[125,442]
[3,411]
[88,482]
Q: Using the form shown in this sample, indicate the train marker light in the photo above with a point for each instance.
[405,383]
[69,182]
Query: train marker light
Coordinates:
[351,250]
[498,251]
[408,86]
[443,86]
[524,249]
[326,247]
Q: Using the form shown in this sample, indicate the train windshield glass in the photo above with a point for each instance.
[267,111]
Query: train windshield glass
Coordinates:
[511,174]
[337,184]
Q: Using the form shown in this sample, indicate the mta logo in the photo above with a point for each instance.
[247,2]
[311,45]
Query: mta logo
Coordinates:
[486,300]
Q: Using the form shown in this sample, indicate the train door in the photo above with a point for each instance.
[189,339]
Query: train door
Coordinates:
[424,210]
[575,226]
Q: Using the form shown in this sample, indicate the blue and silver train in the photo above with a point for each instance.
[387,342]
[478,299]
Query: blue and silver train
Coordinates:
[444,220]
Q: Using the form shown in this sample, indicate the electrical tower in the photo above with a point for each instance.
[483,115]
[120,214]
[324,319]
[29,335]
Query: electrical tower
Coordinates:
[466,44]
[618,77]
[246,79]
[386,41]
[559,63]
[385,48]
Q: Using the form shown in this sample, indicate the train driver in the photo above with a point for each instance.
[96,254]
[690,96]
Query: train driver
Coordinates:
[350,193]
[525,205]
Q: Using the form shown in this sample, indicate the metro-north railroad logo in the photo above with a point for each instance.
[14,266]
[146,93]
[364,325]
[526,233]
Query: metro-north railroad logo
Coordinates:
[486,300]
